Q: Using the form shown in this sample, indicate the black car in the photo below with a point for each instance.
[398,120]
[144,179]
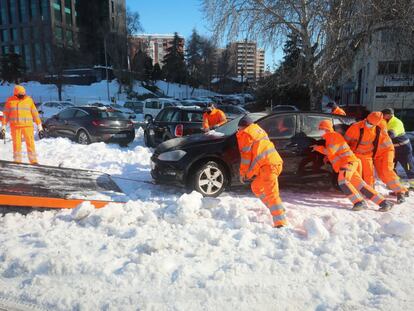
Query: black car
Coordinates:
[88,124]
[232,111]
[210,163]
[173,122]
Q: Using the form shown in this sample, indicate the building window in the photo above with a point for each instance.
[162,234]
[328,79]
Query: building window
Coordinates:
[59,33]
[33,10]
[5,50]
[3,18]
[38,56]
[112,7]
[28,58]
[68,12]
[26,34]
[12,11]
[69,37]
[48,55]
[387,68]
[13,34]
[4,36]
[407,67]
[57,10]
[44,9]
[23,16]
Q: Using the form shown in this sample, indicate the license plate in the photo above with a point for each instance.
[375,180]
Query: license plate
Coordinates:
[152,165]
[120,135]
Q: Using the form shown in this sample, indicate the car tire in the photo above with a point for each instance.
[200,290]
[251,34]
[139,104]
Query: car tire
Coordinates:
[83,138]
[210,179]
[148,140]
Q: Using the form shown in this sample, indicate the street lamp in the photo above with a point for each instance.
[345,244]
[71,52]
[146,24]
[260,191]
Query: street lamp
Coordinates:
[106,69]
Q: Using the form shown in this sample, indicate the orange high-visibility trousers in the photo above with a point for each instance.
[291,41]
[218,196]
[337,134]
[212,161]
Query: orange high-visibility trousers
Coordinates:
[367,169]
[352,185]
[384,166]
[266,187]
[17,132]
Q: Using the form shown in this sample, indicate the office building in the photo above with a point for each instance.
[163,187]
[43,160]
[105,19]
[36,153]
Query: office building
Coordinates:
[155,45]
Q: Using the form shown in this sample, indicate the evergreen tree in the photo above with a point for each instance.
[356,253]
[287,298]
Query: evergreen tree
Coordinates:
[142,66]
[194,59]
[156,73]
[12,68]
[174,65]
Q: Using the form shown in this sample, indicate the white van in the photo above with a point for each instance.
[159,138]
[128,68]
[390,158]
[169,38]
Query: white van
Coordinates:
[152,106]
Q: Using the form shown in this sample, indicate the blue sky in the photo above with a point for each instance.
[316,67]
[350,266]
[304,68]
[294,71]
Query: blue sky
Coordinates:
[168,16]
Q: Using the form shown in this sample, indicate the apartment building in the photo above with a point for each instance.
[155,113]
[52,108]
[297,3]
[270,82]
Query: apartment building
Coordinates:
[155,45]
[33,28]
[249,59]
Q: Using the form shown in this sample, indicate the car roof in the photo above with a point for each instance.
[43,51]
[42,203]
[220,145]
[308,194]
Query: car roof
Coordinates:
[186,108]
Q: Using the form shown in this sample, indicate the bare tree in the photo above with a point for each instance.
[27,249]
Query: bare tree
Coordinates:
[133,22]
[330,31]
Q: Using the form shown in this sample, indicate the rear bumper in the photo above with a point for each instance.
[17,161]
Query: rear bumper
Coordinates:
[122,137]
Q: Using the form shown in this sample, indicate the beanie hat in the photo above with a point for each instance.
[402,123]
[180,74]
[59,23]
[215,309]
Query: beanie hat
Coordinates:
[375,117]
[388,111]
[326,125]
[245,121]
[19,90]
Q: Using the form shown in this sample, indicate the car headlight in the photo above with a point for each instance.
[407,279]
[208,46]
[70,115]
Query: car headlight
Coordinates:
[175,155]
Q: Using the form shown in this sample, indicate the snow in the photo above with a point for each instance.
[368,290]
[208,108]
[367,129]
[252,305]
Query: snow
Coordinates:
[167,250]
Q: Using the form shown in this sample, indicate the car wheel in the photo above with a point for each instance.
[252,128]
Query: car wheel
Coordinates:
[83,138]
[210,179]
[148,140]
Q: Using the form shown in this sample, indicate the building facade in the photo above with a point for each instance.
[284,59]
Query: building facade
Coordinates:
[380,75]
[154,45]
[249,59]
[37,29]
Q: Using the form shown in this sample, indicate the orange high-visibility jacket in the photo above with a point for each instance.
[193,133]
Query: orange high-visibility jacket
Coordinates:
[337,150]
[215,118]
[364,145]
[339,111]
[20,112]
[256,150]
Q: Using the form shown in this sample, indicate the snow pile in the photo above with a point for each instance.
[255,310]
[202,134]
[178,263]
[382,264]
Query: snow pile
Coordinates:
[165,250]
[181,91]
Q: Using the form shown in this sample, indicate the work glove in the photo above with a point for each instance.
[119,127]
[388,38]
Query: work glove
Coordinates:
[40,131]
[241,179]
[2,133]
[40,127]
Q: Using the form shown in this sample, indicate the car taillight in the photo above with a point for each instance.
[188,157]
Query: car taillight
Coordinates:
[130,123]
[98,123]
[179,129]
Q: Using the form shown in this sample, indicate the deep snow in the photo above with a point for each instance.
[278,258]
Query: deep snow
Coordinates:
[165,250]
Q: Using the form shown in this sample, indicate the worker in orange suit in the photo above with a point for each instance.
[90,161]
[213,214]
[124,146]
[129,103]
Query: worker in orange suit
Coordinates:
[261,162]
[336,109]
[384,163]
[372,145]
[20,112]
[213,118]
[347,165]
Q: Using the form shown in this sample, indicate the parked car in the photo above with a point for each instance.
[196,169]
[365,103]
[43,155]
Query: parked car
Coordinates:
[88,124]
[106,104]
[50,108]
[1,111]
[135,106]
[281,108]
[210,163]
[173,122]
[152,106]
[232,111]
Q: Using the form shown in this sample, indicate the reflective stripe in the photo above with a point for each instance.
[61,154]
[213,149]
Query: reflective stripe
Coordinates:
[244,161]
[336,148]
[340,156]
[377,199]
[262,196]
[277,207]
[405,142]
[355,198]
[249,148]
[342,182]
[366,142]
[261,156]
[279,218]
[386,144]
[20,119]
[19,109]
[367,151]
[349,138]
[246,149]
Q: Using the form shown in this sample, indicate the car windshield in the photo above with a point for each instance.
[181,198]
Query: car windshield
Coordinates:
[231,127]
[111,114]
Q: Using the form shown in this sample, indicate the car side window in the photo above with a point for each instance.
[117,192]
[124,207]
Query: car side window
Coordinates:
[279,126]
[311,125]
[169,115]
[80,114]
[67,114]
[193,117]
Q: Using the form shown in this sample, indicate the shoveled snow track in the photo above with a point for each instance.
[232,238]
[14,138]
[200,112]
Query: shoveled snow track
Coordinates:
[8,304]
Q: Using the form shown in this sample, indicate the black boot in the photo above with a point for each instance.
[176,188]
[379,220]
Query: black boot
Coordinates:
[385,206]
[359,206]
[400,198]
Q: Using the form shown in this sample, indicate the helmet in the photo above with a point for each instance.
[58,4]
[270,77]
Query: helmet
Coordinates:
[19,90]
[374,117]
[388,111]
[245,121]
[326,125]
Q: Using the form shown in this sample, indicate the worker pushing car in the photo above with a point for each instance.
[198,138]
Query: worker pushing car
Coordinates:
[20,112]
[213,117]
[336,109]
[370,142]
[402,144]
[261,162]
[347,165]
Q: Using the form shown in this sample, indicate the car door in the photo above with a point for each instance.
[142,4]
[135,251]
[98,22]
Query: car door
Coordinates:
[281,129]
[167,119]
[80,120]
[64,122]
